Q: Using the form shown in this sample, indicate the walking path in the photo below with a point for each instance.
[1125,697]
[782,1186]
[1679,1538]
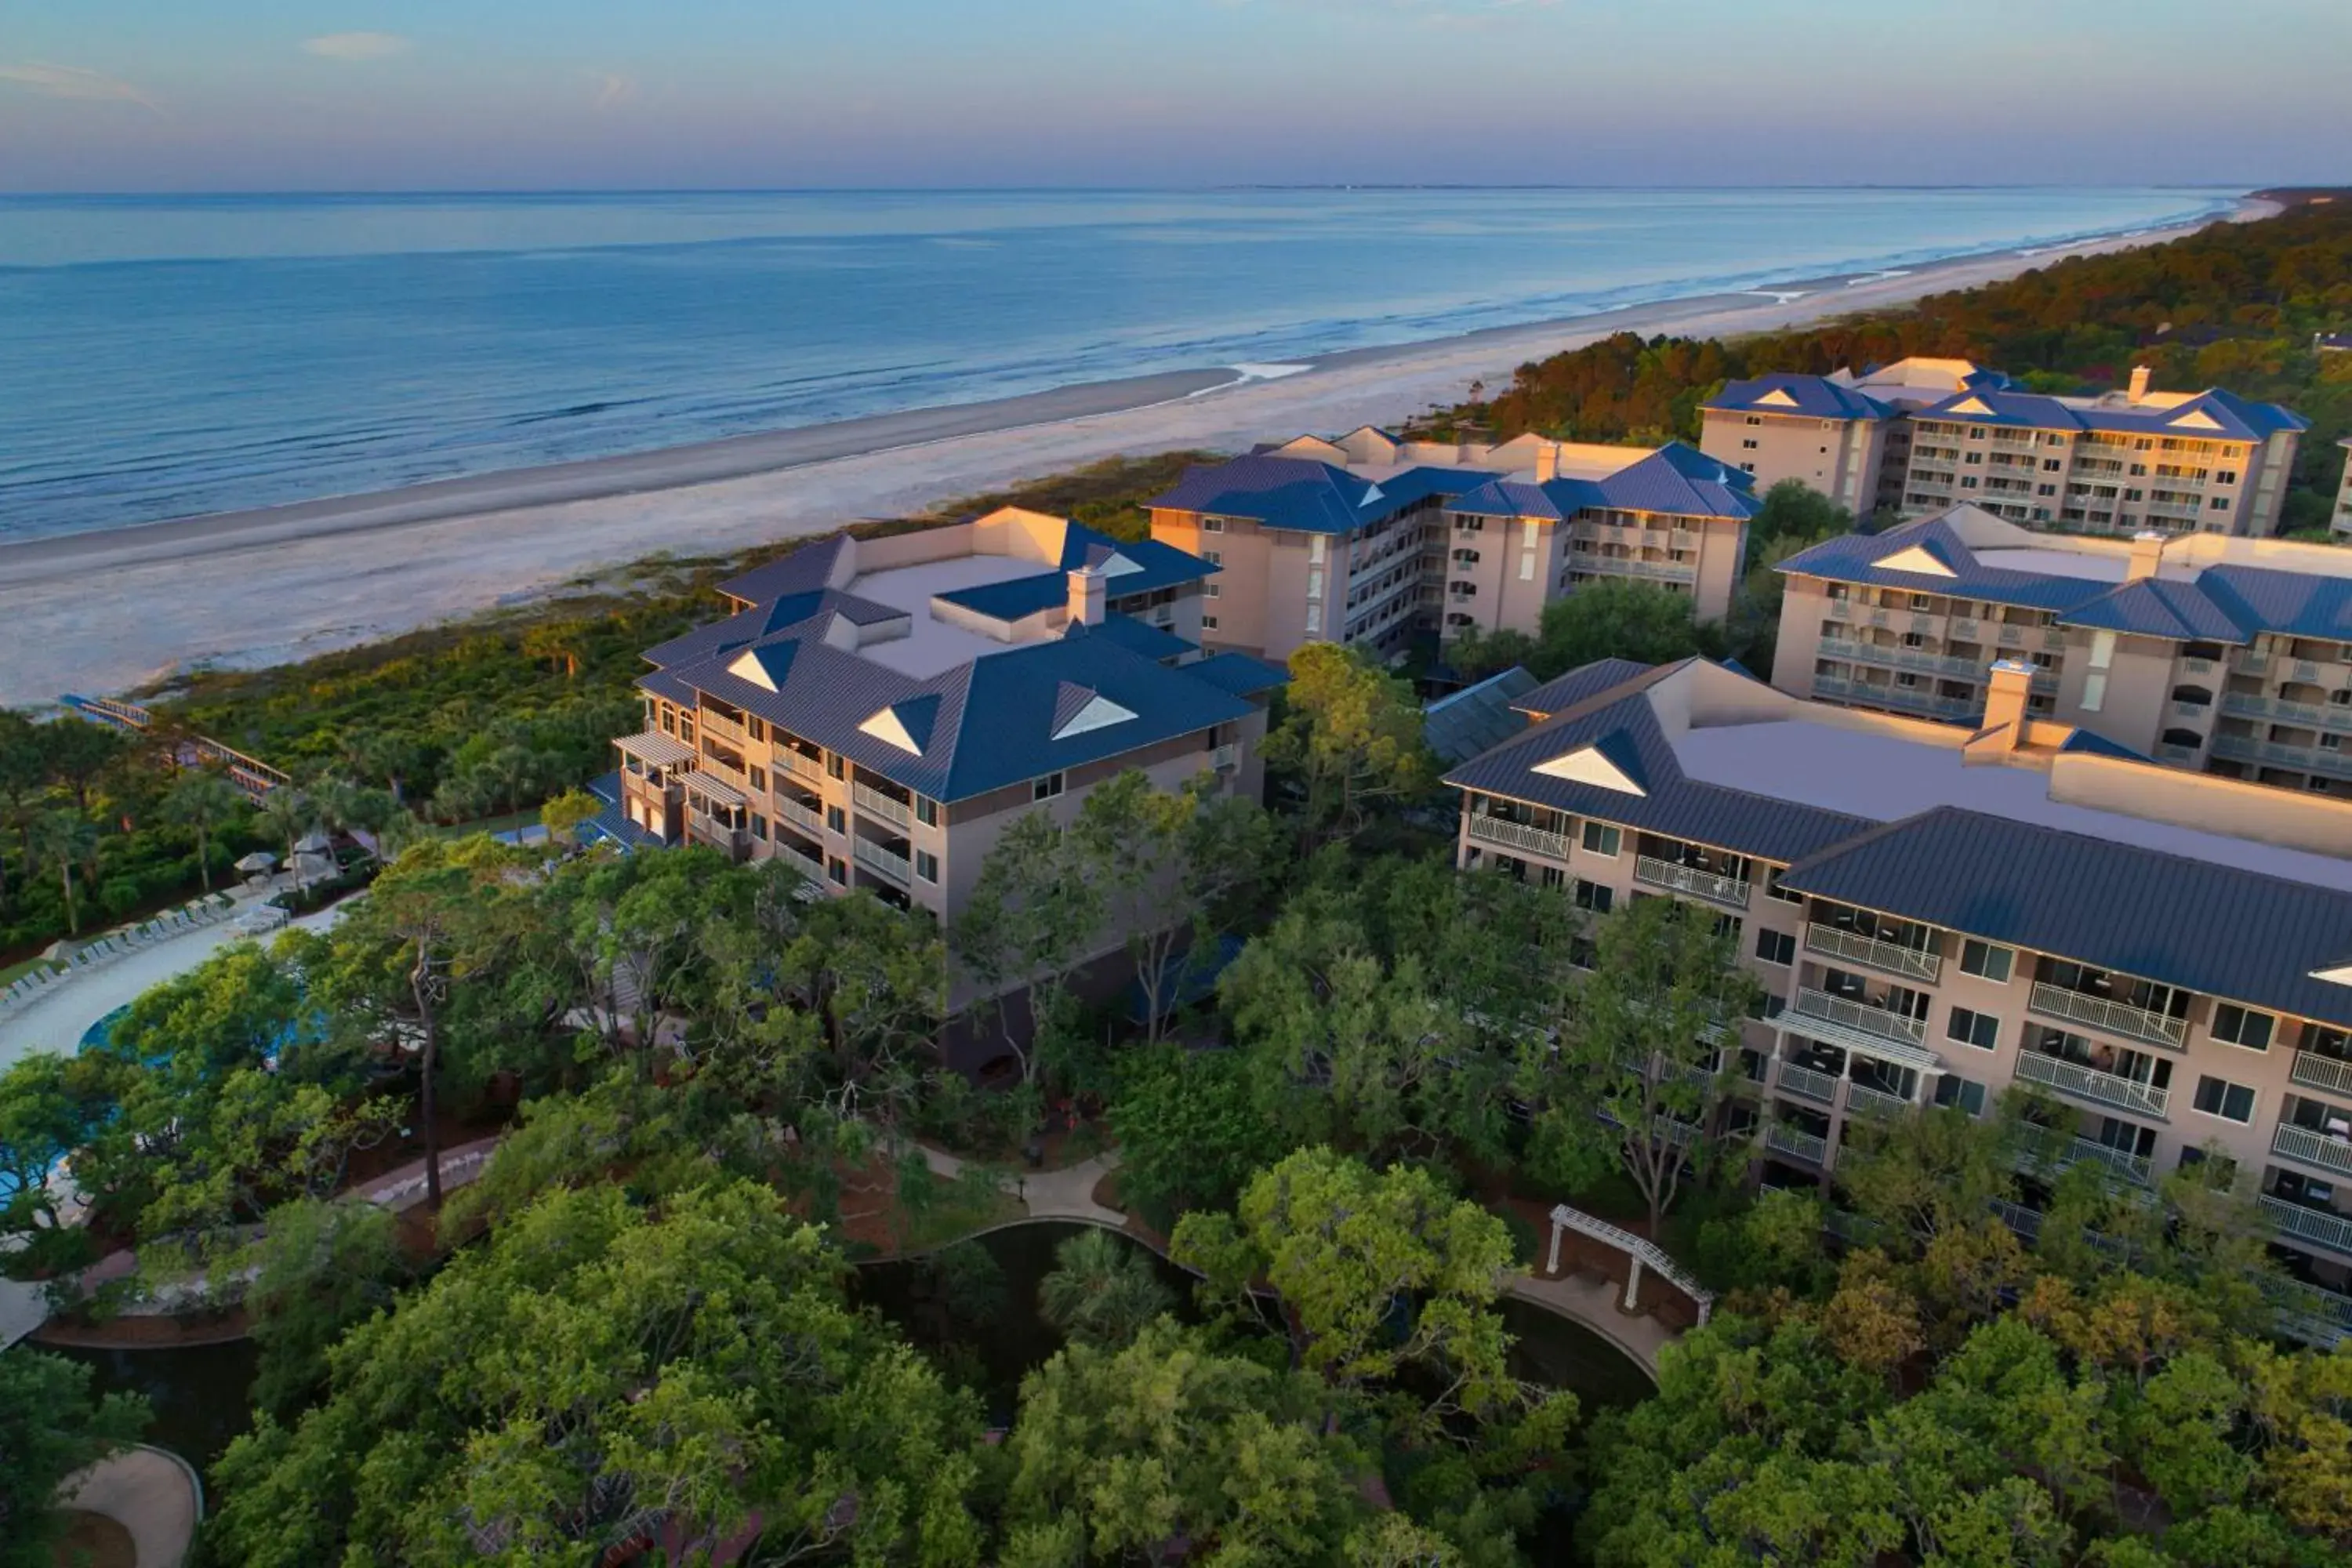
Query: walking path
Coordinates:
[152,1494]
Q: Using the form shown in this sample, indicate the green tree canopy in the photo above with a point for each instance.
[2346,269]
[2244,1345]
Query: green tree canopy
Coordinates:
[50,1427]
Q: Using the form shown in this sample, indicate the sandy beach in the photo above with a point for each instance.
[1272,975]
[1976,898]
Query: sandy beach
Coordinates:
[98,613]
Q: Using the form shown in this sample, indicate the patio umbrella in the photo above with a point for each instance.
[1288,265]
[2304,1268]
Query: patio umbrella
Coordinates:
[258,862]
[312,844]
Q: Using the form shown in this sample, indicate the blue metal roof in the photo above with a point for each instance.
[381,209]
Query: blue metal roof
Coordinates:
[1238,673]
[1140,638]
[1675,479]
[1853,557]
[1813,396]
[1564,692]
[1478,718]
[1307,496]
[2210,927]
[806,569]
[2231,417]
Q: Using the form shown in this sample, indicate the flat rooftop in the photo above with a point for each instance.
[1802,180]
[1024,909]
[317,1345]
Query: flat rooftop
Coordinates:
[1884,777]
[932,646]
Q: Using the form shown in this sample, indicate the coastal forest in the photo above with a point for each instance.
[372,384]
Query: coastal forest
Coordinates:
[671,1119]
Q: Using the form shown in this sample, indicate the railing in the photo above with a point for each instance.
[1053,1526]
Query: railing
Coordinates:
[1644,1254]
[2321,1228]
[1885,955]
[2166,752]
[888,862]
[716,725]
[2197,666]
[2114,1018]
[1783,1138]
[1807,1083]
[800,765]
[1864,1101]
[1619,565]
[807,865]
[1860,1017]
[889,808]
[2253,663]
[2197,712]
[801,816]
[2052,1153]
[1901,658]
[1681,538]
[2308,1314]
[1225,758]
[726,836]
[1518,836]
[2313,1148]
[2089,1083]
[2311,759]
[2025,1222]
[1708,885]
[1911,700]
[2329,1074]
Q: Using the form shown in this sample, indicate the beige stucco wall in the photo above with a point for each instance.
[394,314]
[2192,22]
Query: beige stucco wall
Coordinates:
[1839,458]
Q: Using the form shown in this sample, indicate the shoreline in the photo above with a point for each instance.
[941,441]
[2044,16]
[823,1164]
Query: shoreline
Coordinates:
[107,610]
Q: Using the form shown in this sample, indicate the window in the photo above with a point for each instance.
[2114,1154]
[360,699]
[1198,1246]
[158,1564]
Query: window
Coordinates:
[2241,1027]
[1208,622]
[838,872]
[1212,525]
[1775,946]
[927,811]
[927,866]
[1600,839]
[2230,1101]
[1748,445]
[1753,419]
[1967,1094]
[1987,962]
[759,779]
[1046,788]
[1981,1030]
[1213,557]
[1210,591]
[1773,888]
[759,828]
[836,819]
[1597,897]
[835,767]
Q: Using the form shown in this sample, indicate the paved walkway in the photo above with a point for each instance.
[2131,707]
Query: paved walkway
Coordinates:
[1065,1194]
[150,1493]
[1591,1301]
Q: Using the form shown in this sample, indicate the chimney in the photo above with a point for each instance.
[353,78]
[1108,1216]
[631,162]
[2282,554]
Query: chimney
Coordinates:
[2147,555]
[2140,374]
[2005,703]
[1088,589]
[1547,462]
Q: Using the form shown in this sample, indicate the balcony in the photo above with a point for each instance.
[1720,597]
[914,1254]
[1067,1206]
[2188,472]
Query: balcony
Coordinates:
[1224,759]
[2114,1017]
[1872,1023]
[805,819]
[800,765]
[2330,1075]
[2106,1089]
[1881,955]
[2166,752]
[1690,880]
[2316,1226]
[1912,699]
[1783,1138]
[1807,1083]
[2329,760]
[1517,836]
[1900,658]
[2052,1153]
[1863,1100]
[719,728]
[889,863]
[2315,1149]
[2322,1318]
[807,865]
[1622,566]
[874,802]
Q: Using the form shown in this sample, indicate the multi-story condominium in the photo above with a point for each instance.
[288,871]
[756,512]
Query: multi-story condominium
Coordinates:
[1370,539]
[876,712]
[1919,435]
[2232,656]
[1938,915]
[2339,522]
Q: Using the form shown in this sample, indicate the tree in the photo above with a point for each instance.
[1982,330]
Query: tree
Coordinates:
[1102,1291]
[1794,510]
[64,838]
[24,779]
[77,751]
[290,814]
[558,644]
[1351,732]
[1641,1075]
[49,1428]
[201,801]
[1171,865]
[1190,1131]
[1117,1456]
[1613,618]
[1033,917]
[563,813]
[319,1270]
[603,1379]
[49,1107]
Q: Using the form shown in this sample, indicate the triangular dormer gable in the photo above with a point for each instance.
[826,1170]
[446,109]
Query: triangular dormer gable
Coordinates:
[1777,398]
[890,728]
[1591,765]
[1970,405]
[1916,560]
[1371,495]
[2194,419]
[1077,710]
[2334,974]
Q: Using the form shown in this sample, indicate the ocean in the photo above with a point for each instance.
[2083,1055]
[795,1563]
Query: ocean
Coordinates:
[167,356]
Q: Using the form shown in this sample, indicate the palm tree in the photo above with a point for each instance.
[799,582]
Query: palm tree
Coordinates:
[201,800]
[61,838]
[1102,1291]
[290,814]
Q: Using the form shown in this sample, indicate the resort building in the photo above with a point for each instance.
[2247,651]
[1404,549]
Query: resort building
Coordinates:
[1918,436]
[1371,539]
[2339,522]
[2228,656]
[1937,916]
[876,712]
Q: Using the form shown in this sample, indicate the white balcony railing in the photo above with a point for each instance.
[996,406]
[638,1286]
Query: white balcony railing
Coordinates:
[2320,1227]
[888,862]
[1863,1100]
[2311,1148]
[805,819]
[2053,1153]
[1807,1083]
[2114,1018]
[1783,1138]
[807,865]
[800,765]
[1882,955]
[1224,759]
[874,802]
[1518,836]
[1861,1018]
[1677,877]
[2105,1088]
[2331,1075]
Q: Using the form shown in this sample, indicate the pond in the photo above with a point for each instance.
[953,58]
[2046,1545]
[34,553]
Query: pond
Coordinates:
[986,1323]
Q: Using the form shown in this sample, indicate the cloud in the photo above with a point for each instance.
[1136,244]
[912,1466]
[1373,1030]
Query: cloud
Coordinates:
[356,46]
[72,81]
[613,89]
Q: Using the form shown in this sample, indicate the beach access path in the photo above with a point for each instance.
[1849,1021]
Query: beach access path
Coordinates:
[104,612]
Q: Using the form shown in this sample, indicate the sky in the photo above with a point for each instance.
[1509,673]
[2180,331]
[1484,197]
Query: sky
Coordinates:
[374,95]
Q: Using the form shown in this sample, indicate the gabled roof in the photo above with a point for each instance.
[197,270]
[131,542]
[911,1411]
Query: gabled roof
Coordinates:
[2215,412]
[808,569]
[1786,392]
[1306,496]
[1238,673]
[1675,479]
[2211,928]
[1564,692]
[1858,557]
[1136,637]
[1478,718]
